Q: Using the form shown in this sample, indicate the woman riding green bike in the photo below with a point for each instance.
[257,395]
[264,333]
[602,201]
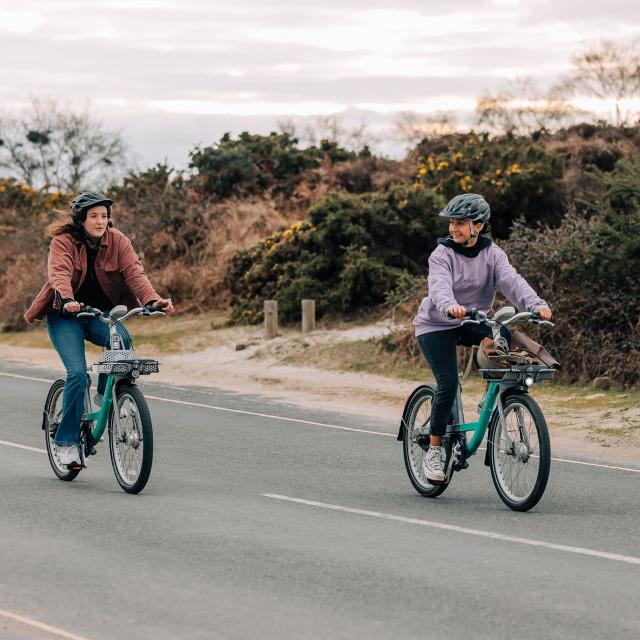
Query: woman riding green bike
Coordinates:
[465,269]
[90,264]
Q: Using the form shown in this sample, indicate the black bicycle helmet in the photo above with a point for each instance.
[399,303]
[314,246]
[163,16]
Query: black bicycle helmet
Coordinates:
[87,199]
[468,206]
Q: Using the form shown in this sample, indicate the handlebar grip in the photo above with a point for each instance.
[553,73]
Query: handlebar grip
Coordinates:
[469,313]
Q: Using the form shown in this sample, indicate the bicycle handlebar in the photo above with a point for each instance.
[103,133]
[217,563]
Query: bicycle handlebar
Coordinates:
[90,312]
[480,317]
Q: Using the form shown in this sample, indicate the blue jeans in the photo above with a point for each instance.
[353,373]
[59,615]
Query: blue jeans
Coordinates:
[68,338]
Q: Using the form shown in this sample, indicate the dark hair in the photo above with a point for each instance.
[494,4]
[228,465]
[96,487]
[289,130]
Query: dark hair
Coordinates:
[66,223]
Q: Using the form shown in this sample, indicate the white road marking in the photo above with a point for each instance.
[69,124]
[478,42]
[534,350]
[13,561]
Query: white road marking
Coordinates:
[41,625]
[22,446]
[451,527]
[309,422]
[268,415]
[15,375]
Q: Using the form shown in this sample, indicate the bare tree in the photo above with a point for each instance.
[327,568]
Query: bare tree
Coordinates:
[521,107]
[413,127]
[52,148]
[608,71]
[333,127]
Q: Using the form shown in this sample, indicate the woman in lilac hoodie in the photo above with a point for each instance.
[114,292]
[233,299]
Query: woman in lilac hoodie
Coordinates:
[465,269]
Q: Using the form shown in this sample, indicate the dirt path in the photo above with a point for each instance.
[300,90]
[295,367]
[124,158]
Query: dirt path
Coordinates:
[587,423]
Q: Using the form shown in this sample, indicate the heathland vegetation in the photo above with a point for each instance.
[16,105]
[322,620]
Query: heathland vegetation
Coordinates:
[263,217]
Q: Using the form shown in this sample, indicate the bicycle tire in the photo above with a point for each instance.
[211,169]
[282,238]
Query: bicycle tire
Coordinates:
[49,425]
[517,461]
[412,452]
[135,433]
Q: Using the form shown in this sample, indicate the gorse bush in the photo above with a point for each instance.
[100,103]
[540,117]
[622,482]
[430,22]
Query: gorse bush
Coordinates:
[586,270]
[515,175]
[350,253]
[254,164]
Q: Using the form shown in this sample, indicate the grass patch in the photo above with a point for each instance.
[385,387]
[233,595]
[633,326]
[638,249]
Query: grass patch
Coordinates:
[360,356]
[162,335]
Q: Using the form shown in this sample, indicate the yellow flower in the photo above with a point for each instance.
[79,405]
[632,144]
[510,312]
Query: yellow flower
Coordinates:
[466,184]
[515,168]
[422,171]
[498,172]
[442,165]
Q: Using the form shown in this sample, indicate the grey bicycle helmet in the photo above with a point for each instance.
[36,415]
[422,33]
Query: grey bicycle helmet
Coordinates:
[87,199]
[468,206]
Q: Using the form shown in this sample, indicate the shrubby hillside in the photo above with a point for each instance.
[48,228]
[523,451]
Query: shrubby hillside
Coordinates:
[262,217]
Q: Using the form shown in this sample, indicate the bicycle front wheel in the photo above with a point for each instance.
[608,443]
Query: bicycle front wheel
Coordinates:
[520,459]
[50,421]
[416,424]
[131,439]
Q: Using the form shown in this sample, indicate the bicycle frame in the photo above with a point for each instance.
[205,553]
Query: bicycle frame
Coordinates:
[479,428]
[101,417]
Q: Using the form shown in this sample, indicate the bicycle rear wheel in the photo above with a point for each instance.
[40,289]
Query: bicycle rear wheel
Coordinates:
[50,421]
[520,468]
[131,439]
[416,423]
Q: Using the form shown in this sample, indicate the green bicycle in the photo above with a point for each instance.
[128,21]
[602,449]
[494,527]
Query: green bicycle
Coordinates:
[518,449]
[123,411]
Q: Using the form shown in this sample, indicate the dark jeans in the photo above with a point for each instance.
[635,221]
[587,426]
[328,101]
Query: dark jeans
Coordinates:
[439,348]
[68,338]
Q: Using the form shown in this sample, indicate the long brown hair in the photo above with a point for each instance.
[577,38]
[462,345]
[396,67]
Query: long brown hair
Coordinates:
[66,223]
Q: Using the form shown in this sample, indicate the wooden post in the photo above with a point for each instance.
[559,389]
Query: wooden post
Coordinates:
[270,319]
[308,316]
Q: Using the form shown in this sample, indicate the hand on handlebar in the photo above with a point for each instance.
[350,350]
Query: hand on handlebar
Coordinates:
[72,306]
[544,313]
[163,304]
[457,312]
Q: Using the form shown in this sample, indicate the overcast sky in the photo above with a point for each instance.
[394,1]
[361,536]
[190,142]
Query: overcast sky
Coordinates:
[174,73]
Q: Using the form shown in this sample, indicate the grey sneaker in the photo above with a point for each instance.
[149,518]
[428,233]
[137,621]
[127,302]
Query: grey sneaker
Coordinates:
[69,455]
[432,466]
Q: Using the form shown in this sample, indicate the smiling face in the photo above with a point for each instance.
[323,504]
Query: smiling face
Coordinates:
[96,222]
[460,230]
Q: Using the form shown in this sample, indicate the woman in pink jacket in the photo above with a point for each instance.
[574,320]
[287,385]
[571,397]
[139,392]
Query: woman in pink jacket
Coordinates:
[90,264]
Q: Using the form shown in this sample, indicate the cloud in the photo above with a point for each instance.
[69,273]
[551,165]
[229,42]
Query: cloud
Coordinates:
[155,62]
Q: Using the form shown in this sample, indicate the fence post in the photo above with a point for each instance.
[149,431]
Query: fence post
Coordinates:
[308,316]
[270,319]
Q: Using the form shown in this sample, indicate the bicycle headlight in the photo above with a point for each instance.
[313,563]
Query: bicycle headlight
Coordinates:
[120,368]
[528,381]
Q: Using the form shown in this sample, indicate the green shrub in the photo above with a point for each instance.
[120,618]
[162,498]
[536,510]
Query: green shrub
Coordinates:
[351,252]
[253,164]
[587,271]
[516,176]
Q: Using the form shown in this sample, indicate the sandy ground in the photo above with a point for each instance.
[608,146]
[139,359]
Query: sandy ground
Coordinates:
[241,360]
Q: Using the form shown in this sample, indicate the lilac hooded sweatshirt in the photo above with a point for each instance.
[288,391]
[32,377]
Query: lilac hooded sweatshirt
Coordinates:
[455,279]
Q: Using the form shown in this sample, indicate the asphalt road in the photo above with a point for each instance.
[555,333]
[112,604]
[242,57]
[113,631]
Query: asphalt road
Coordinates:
[255,526]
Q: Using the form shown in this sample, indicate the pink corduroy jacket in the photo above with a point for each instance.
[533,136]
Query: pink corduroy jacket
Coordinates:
[117,267]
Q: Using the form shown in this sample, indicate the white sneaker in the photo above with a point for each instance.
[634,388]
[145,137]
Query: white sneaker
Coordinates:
[69,455]
[432,466]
